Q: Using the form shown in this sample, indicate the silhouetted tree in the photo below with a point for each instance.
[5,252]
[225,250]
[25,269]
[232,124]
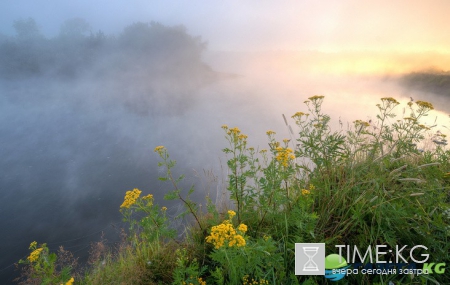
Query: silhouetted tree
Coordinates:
[27,29]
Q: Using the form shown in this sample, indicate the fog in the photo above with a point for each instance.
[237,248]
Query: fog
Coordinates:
[81,112]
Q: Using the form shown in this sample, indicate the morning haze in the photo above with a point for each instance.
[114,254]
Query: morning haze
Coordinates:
[88,90]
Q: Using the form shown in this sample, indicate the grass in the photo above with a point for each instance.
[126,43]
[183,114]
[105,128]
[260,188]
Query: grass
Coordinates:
[369,185]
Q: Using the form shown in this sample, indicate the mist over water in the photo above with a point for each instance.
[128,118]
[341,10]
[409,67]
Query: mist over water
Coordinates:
[78,127]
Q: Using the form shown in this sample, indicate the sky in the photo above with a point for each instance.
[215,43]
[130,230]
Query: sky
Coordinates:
[251,25]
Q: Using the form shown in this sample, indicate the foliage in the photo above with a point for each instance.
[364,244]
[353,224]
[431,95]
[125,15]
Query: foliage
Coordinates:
[42,267]
[373,184]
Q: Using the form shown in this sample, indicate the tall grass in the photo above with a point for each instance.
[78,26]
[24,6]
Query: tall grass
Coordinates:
[371,184]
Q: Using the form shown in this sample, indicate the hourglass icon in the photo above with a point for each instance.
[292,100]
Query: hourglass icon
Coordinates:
[310,265]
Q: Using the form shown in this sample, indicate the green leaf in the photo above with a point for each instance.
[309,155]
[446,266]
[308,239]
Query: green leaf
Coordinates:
[171,196]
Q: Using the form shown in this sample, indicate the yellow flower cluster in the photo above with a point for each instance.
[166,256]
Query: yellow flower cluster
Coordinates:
[234,131]
[390,100]
[35,255]
[159,148]
[226,233]
[305,192]
[33,245]
[164,208]
[298,115]
[284,155]
[70,282]
[242,137]
[131,198]
[361,123]
[316,97]
[246,281]
[242,228]
[425,105]
[318,126]
[270,132]
[148,197]
[236,134]
[199,279]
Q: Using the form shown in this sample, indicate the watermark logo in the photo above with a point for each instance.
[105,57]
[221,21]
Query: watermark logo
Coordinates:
[335,267]
[374,260]
[310,259]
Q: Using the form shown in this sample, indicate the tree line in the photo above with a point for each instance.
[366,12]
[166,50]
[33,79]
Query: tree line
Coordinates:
[77,49]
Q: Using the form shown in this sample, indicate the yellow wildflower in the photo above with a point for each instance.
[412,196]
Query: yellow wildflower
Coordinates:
[164,209]
[270,132]
[130,198]
[361,123]
[242,228]
[225,233]
[200,281]
[299,114]
[33,245]
[425,105]
[159,148]
[390,100]
[286,141]
[242,137]
[305,192]
[263,151]
[70,282]
[312,187]
[147,197]
[237,240]
[316,97]
[225,127]
[35,254]
[284,155]
[231,214]
[235,131]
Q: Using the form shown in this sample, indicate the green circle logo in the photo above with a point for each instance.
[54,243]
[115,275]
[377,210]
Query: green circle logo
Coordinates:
[335,261]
